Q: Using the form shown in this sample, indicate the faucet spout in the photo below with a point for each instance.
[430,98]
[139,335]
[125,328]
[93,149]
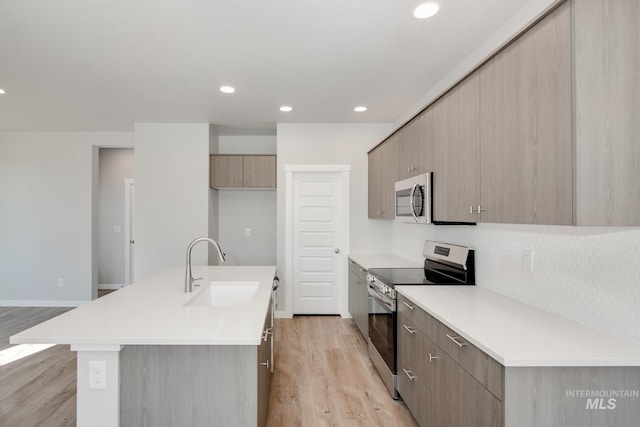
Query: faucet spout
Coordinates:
[188,279]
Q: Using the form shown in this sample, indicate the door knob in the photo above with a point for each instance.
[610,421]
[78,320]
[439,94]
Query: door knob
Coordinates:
[337,251]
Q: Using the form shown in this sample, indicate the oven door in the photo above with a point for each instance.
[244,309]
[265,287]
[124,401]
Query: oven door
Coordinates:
[382,326]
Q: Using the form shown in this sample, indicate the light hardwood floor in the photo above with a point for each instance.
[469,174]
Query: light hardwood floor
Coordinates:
[323,377]
[38,390]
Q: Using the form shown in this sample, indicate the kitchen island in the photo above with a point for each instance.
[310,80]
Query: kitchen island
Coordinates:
[151,354]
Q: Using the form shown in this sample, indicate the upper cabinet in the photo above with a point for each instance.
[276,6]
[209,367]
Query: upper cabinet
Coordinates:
[606,58]
[382,177]
[545,132]
[255,171]
[525,128]
[456,153]
[414,150]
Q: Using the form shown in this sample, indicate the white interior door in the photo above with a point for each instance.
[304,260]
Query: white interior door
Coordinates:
[318,235]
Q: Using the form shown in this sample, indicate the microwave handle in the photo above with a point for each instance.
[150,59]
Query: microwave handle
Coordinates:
[412,205]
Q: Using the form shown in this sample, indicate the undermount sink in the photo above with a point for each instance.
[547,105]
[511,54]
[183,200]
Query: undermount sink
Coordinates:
[224,294]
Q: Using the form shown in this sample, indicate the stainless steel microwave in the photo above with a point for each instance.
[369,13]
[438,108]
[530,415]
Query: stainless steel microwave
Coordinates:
[413,199]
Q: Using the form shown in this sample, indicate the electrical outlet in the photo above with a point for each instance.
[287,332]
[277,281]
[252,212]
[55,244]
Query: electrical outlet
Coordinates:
[117,229]
[527,261]
[247,232]
[97,374]
[61,282]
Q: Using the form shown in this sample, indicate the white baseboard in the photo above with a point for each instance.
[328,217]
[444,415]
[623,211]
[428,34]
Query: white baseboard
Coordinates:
[111,286]
[40,303]
[283,315]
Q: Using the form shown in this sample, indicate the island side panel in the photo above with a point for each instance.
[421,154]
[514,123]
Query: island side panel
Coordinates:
[572,396]
[188,385]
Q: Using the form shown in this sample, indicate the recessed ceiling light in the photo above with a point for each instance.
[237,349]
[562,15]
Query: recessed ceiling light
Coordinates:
[227,89]
[360,108]
[2,91]
[286,108]
[426,10]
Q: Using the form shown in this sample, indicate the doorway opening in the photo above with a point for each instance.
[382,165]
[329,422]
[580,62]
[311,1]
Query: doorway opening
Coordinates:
[114,218]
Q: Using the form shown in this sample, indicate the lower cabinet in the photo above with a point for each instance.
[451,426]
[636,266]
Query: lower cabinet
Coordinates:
[196,385]
[358,297]
[448,382]
[265,367]
[436,388]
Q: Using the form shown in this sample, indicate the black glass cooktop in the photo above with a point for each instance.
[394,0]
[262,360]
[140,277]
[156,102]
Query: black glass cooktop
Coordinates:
[414,276]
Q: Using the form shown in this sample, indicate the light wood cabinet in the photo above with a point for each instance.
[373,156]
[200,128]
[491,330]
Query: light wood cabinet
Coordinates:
[255,171]
[525,128]
[358,297]
[383,175]
[196,385]
[414,146]
[445,380]
[439,390]
[606,57]
[264,368]
[456,139]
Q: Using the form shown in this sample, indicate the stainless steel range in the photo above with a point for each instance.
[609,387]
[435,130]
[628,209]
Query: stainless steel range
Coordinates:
[444,264]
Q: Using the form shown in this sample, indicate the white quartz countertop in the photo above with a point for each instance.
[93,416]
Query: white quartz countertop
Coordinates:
[382,261]
[517,334]
[152,312]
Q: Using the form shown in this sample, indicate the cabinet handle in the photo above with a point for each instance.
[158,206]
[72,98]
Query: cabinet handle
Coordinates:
[265,364]
[432,357]
[265,334]
[455,340]
[409,374]
[480,209]
[409,306]
[409,329]
[472,210]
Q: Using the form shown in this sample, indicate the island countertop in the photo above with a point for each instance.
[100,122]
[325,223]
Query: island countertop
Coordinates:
[152,311]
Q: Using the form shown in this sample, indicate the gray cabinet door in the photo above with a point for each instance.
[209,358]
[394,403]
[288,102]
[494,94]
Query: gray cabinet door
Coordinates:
[264,371]
[525,121]
[260,171]
[226,171]
[456,139]
[607,104]
[382,177]
[415,152]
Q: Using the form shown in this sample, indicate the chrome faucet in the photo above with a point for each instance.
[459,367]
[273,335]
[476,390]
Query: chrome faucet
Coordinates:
[188,278]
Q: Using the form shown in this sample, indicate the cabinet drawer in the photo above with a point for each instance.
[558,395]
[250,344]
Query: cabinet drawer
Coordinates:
[415,315]
[411,349]
[481,366]
[358,270]
[416,396]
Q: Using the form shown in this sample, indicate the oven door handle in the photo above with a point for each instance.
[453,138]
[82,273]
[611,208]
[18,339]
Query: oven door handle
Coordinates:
[390,304]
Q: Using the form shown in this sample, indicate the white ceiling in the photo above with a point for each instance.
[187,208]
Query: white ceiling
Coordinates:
[106,64]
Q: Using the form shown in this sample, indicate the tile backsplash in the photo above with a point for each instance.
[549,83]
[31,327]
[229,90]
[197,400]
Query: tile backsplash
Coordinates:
[587,274]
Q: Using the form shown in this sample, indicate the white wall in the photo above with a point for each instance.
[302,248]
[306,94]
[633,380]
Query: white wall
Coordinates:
[115,164]
[172,194]
[46,181]
[334,144]
[587,274]
[253,209]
